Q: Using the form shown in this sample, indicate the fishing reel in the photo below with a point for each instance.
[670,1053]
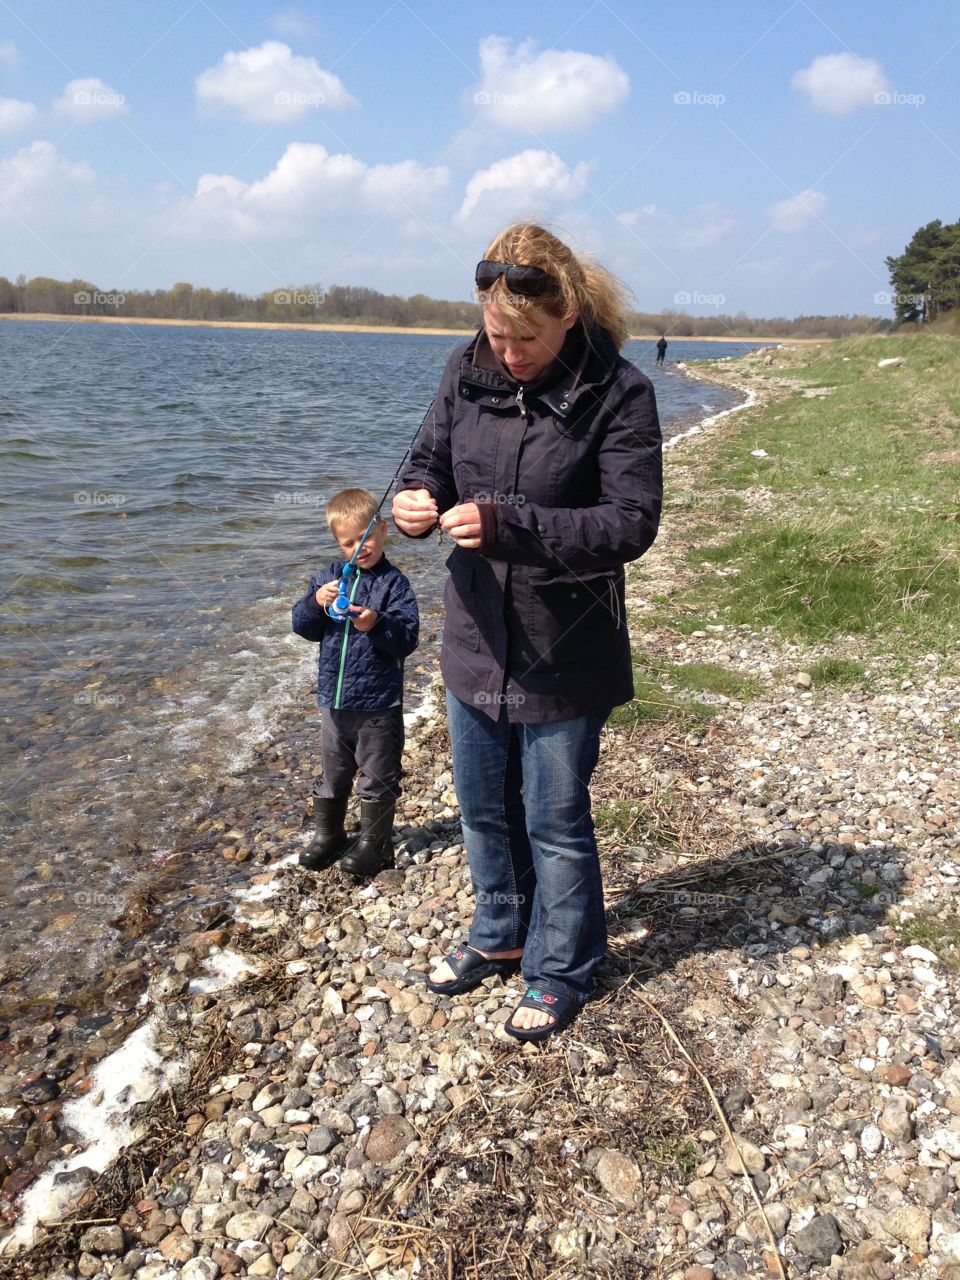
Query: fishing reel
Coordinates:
[339,611]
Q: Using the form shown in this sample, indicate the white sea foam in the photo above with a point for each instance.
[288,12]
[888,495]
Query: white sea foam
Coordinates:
[696,429]
[224,967]
[428,705]
[134,1073]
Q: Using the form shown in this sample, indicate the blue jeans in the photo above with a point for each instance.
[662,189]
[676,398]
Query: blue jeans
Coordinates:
[524,794]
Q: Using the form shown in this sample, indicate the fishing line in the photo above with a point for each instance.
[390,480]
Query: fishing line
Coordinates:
[339,611]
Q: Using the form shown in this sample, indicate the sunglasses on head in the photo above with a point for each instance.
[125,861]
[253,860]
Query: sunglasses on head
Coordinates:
[529,282]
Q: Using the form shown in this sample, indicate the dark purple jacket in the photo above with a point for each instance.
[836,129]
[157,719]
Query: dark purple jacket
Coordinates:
[567,472]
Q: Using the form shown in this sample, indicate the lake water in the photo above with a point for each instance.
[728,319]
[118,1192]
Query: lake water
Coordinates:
[162,494]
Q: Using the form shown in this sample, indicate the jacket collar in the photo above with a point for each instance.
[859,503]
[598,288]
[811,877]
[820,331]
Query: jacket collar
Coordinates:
[585,363]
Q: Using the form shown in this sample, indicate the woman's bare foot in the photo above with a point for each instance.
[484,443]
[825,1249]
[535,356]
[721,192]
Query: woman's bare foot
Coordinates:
[443,973]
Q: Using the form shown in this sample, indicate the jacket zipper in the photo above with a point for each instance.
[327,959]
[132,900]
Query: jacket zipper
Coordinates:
[524,411]
[343,648]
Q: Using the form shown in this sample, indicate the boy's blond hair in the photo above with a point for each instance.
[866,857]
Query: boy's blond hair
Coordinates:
[351,504]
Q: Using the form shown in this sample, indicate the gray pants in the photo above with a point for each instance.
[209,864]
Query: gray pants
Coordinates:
[368,742]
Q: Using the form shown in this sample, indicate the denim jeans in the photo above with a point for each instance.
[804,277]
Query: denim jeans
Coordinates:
[524,794]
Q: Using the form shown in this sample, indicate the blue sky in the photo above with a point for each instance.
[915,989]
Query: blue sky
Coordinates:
[763,158]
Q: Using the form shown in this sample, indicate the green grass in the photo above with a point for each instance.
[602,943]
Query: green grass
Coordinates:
[668,691]
[633,824]
[708,677]
[840,671]
[861,534]
[672,1153]
[942,937]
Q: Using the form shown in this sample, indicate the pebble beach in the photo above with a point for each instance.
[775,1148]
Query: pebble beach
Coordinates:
[766,1084]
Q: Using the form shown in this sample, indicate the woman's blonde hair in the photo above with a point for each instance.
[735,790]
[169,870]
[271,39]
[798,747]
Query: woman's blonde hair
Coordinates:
[582,287]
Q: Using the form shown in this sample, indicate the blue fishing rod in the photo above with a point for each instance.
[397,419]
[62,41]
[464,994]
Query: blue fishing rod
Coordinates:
[339,611]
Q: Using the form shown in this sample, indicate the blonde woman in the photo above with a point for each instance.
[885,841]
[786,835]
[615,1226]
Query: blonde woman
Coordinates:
[542,461]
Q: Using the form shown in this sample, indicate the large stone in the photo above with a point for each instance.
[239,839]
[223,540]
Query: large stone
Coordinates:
[388,1138]
[200,1269]
[177,1246]
[911,1225]
[102,1240]
[309,1168]
[896,1120]
[258,1027]
[753,1157]
[946,1141]
[268,1096]
[249,1225]
[820,1239]
[619,1177]
[569,1244]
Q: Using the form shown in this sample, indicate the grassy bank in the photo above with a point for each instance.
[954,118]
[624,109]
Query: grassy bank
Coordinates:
[829,510]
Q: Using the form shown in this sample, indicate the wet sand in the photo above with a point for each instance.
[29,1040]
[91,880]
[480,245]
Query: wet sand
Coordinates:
[351,328]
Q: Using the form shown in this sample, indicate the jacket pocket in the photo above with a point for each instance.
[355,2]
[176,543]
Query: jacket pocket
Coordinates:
[575,618]
[460,625]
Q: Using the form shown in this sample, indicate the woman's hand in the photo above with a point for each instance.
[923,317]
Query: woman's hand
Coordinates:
[463,525]
[414,511]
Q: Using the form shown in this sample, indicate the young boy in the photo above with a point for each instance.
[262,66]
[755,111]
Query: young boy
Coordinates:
[359,688]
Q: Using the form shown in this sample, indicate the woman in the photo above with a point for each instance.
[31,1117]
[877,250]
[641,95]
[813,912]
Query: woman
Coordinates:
[542,461]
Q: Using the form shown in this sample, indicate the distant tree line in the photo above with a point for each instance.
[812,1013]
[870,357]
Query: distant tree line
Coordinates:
[926,276]
[348,304]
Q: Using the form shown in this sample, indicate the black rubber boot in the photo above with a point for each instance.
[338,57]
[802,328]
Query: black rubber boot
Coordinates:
[373,852]
[330,840]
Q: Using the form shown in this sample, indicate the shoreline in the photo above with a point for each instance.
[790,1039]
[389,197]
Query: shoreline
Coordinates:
[340,1116]
[304,327]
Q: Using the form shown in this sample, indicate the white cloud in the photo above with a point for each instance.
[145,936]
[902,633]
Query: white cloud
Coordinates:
[270,84]
[548,91]
[16,115]
[292,23]
[518,183]
[38,177]
[797,212]
[88,100]
[701,228]
[308,184]
[838,83]
[8,53]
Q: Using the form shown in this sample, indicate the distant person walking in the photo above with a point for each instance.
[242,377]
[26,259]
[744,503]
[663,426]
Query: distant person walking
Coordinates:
[661,349]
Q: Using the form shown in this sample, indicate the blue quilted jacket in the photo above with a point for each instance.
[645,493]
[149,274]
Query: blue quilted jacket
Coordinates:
[357,670]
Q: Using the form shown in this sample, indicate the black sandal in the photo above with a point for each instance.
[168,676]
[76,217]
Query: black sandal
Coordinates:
[471,968]
[562,1008]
